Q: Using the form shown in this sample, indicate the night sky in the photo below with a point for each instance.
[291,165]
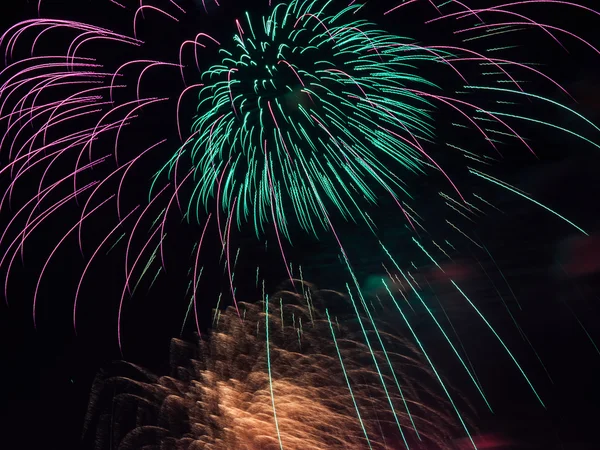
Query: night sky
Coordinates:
[47,372]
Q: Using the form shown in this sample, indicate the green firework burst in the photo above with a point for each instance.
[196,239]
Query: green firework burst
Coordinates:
[306,112]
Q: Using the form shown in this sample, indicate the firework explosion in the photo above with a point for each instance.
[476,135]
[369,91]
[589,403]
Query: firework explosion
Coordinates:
[339,89]
[286,376]
[311,116]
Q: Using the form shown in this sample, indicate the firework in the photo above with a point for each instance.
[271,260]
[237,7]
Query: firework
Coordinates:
[285,376]
[311,116]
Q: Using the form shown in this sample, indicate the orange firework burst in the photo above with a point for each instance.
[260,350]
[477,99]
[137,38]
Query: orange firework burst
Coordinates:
[289,374]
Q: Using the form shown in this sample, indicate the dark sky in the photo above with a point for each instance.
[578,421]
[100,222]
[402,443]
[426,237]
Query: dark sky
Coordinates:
[47,373]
